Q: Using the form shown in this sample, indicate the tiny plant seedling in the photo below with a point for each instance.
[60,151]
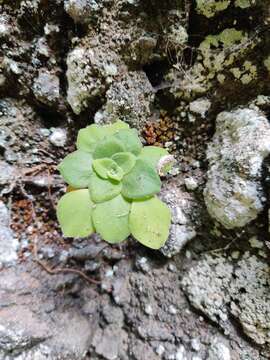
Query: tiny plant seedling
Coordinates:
[113,181]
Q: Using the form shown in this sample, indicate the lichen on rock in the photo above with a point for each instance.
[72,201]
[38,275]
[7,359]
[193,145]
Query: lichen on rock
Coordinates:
[209,8]
[233,192]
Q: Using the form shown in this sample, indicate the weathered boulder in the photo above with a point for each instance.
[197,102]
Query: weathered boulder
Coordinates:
[233,192]
[128,99]
[185,210]
[46,87]
[90,70]
[219,289]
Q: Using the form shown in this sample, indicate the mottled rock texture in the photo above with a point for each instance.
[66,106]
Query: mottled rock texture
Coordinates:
[233,193]
[191,76]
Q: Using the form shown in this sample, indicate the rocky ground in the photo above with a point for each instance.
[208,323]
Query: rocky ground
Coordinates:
[190,76]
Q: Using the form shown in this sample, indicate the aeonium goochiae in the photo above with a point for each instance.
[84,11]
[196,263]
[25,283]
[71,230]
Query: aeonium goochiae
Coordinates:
[114,182]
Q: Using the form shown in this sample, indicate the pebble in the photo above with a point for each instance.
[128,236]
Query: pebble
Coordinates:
[160,350]
[4,214]
[172,310]
[91,265]
[58,137]
[44,132]
[148,310]
[219,351]
[109,273]
[142,264]
[195,344]
[172,268]
[191,183]
[181,353]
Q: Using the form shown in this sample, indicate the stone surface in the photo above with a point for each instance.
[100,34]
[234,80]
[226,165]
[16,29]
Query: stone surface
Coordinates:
[219,290]
[128,99]
[58,137]
[46,87]
[200,106]
[66,64]
[9,246]
[82,11]
[233,193]
[219,351]
[183,229]
[83,65]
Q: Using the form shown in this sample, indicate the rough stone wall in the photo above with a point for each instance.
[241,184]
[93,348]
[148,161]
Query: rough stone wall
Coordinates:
[191,76]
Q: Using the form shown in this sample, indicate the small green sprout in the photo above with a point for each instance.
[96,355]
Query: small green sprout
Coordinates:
[114,181]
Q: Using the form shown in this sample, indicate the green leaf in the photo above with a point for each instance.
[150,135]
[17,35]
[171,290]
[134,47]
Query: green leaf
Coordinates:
[130,140]
[115,127]
[74,213]
[107,147]
[103,190]
[89,137]
[152,154]
[111,219]
[76,169]
[149,222]
[116,173]
[141,182]
[125,160]
[107,168]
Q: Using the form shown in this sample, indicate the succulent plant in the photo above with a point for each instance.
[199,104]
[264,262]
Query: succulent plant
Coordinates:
[113,182]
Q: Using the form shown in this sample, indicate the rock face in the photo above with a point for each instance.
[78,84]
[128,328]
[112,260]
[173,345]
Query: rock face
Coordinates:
[233,193]
[8,243]
[129,99]
[46,87]
[167,68]
[184,209]
[82,10]
[219,289]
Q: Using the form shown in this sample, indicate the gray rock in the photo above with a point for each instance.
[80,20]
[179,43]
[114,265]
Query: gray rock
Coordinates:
[113,315]
[219,290]
[39,352]
[90,251]
[142,350]
[87,72]
[143,264]
[191,183]
[5,27]
[46,87]
[8,243]
[204,290]
[250,291]
[9,246]
[233,193]
[183,229]
[219,351]
[110,342]
[82,11]
[200,106]
[154,330]
[58,137]
[196,344]
[179,236]
[7,173]
[121,293]
[181,353]
[128,99]
[4,215]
